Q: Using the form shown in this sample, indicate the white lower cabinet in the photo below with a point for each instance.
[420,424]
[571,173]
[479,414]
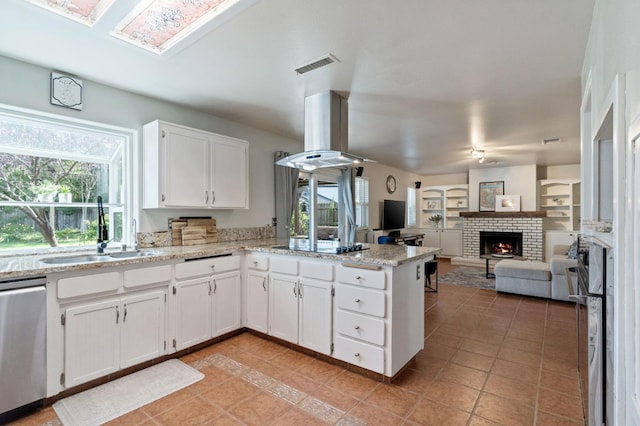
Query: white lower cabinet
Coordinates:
[300,308]
[206,305]
[257,301]
[105,336]
[449,240]
[193,312]
[314,317]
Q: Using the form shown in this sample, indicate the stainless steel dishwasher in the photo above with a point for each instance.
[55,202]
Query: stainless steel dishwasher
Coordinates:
[22,344]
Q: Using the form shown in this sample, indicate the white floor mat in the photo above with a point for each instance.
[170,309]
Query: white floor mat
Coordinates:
[106,402]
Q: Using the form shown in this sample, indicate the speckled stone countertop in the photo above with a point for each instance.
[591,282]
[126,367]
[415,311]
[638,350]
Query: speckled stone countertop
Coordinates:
[32,265]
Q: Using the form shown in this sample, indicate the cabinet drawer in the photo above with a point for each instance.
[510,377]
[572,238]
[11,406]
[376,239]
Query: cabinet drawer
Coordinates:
[362,277]
[88,284]
[361,300]
[360,354]
[360,327]
[207,266]
[257,262]
[316,270]
[282,265]
[147,276]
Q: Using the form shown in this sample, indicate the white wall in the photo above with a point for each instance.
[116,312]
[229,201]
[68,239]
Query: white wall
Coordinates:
[518,180]
[27,86]
[377,175]
[446,179]
[559,172]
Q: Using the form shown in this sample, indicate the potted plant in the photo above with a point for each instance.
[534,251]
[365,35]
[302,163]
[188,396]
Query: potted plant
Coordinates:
[64,196]
[46,192]
[436,218]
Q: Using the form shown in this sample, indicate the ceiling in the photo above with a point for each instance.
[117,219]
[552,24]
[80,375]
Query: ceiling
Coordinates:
[426,79]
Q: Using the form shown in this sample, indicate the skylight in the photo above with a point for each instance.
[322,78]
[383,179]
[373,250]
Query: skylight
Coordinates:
[84,11]
[157,25]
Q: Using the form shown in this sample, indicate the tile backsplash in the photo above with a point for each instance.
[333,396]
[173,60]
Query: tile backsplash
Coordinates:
[163,238]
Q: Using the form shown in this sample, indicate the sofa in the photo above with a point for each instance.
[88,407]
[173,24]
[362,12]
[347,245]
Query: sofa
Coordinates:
[534,278]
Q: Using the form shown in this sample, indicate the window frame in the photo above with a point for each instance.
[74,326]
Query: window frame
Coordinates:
[130,173]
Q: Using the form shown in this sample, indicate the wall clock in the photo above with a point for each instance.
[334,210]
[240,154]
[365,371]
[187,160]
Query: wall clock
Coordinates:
[391,184]
[66,91]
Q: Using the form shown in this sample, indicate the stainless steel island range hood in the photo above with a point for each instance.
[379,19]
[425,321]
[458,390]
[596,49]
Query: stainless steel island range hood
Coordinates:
[326,137]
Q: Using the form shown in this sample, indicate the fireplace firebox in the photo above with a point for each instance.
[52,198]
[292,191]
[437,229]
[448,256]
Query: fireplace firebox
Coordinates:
[501,243]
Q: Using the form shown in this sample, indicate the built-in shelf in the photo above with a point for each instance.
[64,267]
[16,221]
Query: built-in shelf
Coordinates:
[560,199]
[447,201]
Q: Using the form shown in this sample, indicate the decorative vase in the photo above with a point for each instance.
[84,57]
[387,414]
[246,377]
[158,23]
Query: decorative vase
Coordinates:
[65,197]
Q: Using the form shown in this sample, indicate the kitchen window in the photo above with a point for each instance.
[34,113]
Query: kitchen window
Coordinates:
[52,169]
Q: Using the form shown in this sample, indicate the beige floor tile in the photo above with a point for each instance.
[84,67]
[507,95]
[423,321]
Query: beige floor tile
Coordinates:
[393,399]
[504,411]
[353,384]
[547,419]
[196,412]
[480,347]
[560,383]
[258,408]
[515,370]
[428,412]
[512,389]
[464,375]
[452,394]
[229,393]
[560,404]
[477,361]
[374,416]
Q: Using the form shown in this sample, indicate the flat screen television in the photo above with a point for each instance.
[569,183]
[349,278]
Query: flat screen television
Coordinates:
[393,213]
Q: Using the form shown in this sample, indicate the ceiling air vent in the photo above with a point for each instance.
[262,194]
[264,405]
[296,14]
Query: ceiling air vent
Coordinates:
[317,63]
[551,141]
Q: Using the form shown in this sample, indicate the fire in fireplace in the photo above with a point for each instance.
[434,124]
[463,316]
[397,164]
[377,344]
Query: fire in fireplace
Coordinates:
[501,243]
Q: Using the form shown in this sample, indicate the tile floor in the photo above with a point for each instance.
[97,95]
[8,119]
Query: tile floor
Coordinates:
[489,359]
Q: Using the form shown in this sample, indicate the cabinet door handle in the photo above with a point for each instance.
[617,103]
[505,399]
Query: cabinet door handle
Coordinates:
[357,300]
[264,284]
[300,290]
[124,317]
[357,327]
[206,195]
[357,355]
[294,290]
[358,277]
[117,315]
[215,286]
[209,289]
[162,197]
[255,263]
[213,197]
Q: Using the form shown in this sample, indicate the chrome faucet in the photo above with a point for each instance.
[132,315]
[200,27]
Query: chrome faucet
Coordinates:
[103,230]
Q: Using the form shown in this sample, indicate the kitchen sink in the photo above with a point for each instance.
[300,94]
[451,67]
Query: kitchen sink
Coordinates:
[130,254]
[107,257]
[77,259]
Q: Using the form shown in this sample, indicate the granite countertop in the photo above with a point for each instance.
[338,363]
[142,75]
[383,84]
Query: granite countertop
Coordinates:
[29,265]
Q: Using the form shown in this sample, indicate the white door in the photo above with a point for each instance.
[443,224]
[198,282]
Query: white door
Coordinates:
[283,308]
[142,335]
[229,173]
[193,312]
[257,301]
[451,242]
[227,314]
[431,238]
[91,341]
[315,325]
[185,159]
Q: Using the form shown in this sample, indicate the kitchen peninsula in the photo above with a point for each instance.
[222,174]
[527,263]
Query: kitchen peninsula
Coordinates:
[362,308]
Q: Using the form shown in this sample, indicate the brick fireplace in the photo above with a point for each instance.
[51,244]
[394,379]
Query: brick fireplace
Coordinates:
[527,223]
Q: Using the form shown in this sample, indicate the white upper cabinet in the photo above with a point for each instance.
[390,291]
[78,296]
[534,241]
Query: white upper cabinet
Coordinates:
[190,168]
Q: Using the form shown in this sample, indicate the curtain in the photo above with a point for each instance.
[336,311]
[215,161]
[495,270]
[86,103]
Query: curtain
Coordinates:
[286,188]
[347,228]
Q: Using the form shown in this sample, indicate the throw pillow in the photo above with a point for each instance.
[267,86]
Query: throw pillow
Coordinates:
[573,250]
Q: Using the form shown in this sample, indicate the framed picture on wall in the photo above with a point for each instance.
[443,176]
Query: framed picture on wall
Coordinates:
[488,192]
[507,203]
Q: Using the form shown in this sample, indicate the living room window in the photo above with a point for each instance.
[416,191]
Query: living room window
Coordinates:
[52,170]
[411,207]
[362,202]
